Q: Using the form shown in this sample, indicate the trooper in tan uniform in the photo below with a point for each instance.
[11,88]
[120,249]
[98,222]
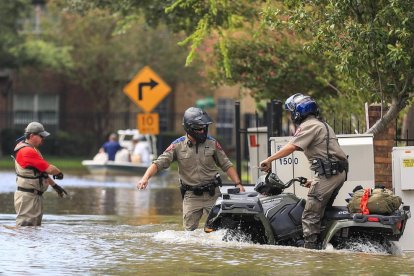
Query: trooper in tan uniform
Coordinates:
[198,156]
[33,176]
[327,161]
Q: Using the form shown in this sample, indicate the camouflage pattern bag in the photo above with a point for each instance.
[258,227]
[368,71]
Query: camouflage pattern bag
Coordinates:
[355,202]
[381,201]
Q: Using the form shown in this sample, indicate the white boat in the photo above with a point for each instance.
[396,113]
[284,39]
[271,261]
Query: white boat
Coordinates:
[102,166]
[114,168]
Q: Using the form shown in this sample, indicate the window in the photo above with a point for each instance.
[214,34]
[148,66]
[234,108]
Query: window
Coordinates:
[43,108]
[225,121]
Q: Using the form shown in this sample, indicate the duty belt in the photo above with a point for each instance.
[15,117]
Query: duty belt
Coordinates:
[203,187]
[199,189]
[329,167]
[33,191]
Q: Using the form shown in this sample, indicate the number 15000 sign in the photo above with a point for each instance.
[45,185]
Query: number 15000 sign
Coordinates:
[288,161]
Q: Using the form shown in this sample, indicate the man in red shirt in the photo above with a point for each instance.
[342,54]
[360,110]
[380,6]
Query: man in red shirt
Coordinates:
[33,176]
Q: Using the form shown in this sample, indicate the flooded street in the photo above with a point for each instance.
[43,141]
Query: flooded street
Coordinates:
[108,227]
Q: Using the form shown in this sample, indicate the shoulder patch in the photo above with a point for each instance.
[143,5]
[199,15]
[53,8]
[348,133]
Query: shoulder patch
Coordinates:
[210,138]
[218,146]
[182,138]
[170,147]
[298,130]
[176,141]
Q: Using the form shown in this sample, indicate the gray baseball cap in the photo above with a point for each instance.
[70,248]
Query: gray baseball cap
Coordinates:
[36,128]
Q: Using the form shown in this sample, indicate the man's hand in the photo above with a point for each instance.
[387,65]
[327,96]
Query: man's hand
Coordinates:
[58,176]
[59,190]
[241,187]
[142,184]
[307,184]
[265,166]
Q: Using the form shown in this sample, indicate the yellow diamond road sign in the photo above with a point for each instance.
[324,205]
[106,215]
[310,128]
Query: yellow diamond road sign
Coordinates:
[147,89]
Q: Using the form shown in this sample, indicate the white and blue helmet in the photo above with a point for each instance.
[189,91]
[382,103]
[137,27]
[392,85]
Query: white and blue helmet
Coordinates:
[301,106]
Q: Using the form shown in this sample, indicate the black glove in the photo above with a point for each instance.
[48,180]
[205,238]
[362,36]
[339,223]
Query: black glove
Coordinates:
[58,176]
[59,190]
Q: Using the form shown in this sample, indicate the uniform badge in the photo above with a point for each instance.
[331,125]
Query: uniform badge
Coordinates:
[218,146]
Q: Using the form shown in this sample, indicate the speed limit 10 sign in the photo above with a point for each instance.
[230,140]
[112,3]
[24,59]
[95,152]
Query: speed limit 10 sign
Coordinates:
[148,123]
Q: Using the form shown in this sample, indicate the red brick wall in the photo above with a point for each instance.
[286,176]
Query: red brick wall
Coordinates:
[383,144]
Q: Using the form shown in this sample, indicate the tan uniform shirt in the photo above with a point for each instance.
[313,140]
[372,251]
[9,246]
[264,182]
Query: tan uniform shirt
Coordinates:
[311,137]
[196,164]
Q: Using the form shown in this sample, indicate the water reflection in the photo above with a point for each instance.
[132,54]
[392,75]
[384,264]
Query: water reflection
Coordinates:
[105,197]
[109,227]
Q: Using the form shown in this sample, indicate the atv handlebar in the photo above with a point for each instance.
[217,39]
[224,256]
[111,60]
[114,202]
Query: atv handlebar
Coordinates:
[302,181]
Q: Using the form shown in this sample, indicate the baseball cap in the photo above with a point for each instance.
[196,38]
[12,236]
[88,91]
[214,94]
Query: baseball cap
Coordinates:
[36,128]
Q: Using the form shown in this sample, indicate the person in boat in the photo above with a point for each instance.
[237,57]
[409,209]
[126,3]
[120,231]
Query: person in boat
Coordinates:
[111,147]
[198,156]
[328,162]
[141,152]
[33,176]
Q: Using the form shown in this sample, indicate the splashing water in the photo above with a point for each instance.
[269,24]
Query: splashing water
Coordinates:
[365,245]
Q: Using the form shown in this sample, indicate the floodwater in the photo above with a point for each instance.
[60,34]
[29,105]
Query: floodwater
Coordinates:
[108,227]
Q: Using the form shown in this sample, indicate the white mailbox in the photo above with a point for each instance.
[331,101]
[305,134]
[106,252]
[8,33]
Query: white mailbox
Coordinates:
[404,163]
[402,181]
[359,149]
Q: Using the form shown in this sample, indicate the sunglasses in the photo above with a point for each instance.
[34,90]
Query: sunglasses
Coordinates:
[37,134]
[198,128]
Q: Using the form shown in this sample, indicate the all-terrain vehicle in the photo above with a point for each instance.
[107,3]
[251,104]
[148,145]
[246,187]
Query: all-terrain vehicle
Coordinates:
[269,216]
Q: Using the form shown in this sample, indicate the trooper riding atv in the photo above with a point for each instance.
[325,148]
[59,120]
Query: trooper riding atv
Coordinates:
[269,216]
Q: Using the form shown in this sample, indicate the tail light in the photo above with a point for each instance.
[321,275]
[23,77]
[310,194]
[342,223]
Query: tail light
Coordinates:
[400,225]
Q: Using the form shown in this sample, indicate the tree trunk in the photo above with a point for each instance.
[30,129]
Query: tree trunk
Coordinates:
[391,114]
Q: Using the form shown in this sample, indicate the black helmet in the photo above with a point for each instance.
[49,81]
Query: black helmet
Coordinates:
[194,120]
[301,106]
[269,185]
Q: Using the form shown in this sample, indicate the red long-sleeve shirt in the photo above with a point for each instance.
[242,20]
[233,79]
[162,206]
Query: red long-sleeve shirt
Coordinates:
[29,157]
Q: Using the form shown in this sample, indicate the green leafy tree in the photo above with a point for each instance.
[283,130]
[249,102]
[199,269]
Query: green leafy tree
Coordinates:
[22,45]
[199,19]
[11,15]
[272,67]
[370,41]
[269,63]
[106,56]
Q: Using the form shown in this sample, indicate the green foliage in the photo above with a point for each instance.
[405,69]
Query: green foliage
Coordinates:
[370,41]
[214,15]
[199,19]
[68,144]
[11,15]
[43,54]
[272,68]
[22,45]
[106,52]
[105,55]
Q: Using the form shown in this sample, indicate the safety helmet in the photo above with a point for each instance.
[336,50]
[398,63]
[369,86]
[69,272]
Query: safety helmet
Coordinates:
[301,106]
[269,185]
[194,120]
